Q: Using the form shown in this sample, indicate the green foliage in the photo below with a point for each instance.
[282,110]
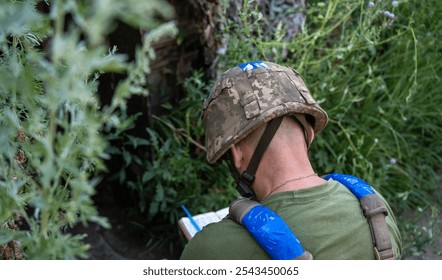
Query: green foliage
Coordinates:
[50,116]
[176,172]
[422,232]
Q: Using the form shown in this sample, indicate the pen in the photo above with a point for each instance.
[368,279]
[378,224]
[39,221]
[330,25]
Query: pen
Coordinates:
[197,227]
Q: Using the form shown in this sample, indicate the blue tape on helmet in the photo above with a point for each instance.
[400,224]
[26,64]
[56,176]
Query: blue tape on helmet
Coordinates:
[252,65]
[357,186]
[272,233]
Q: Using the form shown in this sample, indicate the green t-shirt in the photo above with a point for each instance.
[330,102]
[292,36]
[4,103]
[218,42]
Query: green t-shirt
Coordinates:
[327,220]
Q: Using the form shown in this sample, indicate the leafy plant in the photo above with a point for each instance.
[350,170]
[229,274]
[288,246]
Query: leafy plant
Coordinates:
[176,172]
[51,120]
[201,186]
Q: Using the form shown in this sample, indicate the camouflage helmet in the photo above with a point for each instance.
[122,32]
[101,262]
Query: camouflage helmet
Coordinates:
[249,95]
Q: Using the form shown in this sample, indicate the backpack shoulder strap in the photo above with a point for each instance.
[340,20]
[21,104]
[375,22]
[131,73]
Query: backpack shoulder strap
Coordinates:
[374,210]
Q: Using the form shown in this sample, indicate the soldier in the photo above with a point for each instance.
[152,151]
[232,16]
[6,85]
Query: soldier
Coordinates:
[261,118]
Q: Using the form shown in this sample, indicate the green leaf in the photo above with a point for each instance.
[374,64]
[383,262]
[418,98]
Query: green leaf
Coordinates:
[6,235]
[147,176]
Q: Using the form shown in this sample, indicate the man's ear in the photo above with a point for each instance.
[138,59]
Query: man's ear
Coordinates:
[237,157]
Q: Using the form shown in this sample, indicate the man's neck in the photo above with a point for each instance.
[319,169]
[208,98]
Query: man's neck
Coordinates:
[284,173]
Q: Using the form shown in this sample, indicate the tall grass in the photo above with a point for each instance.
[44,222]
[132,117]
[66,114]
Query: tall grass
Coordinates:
[376,74]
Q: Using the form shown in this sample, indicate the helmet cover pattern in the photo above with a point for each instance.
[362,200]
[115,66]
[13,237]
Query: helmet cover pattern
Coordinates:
[249,95]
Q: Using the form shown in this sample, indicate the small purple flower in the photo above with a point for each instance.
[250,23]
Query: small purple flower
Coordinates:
[395,3]
[371,4]
[393,161]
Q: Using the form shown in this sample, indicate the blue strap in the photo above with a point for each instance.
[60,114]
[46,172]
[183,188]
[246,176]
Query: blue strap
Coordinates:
[357,186]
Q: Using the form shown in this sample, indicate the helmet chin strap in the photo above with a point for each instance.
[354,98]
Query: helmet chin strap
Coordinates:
[302,121]
[245,180]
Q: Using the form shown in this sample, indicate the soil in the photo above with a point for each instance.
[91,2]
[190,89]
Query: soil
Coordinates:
[119,243]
